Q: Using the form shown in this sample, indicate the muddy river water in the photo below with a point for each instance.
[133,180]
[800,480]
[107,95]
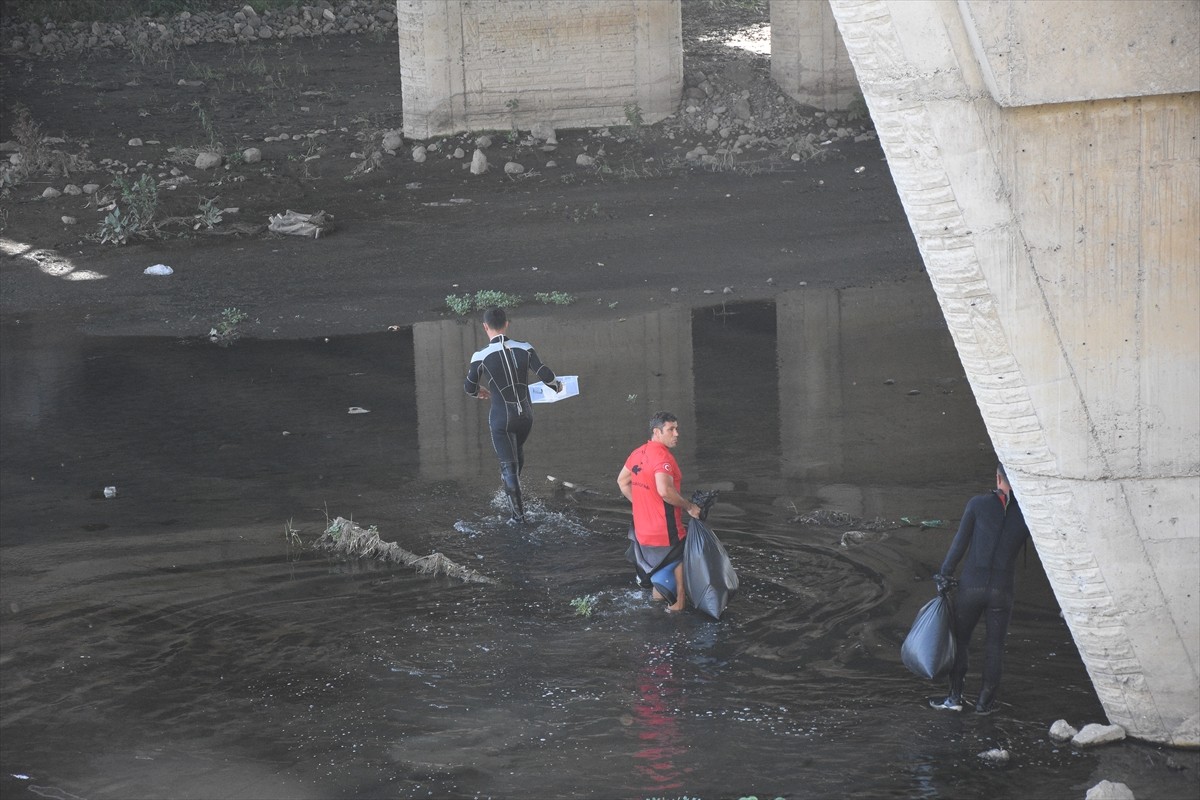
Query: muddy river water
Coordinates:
[175,641]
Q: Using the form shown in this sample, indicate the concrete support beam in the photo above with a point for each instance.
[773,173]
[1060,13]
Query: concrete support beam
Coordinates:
[808,58]
[1063,241]
[492,64]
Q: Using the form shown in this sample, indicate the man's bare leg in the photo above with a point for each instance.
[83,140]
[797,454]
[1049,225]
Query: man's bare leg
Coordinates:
[680,600]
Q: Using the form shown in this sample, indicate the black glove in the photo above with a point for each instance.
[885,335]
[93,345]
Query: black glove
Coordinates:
[944,583]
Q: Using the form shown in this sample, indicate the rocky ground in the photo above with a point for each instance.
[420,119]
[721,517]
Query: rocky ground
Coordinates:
[179,138]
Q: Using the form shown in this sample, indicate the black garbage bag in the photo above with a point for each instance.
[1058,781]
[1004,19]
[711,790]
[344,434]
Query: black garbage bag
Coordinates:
[929,648]
[708,574]
[654,565]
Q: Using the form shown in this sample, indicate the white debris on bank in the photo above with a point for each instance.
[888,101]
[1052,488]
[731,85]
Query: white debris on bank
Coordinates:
[1107,790]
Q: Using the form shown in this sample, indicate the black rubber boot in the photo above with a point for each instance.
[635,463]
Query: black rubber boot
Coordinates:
[512,488]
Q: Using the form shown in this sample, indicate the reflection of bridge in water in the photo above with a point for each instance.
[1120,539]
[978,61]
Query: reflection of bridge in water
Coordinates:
[805,383]
[1048,158]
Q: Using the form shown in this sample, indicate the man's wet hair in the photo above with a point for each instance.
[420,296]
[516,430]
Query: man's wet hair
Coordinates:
[495,318]
[659,420]
[1000,471]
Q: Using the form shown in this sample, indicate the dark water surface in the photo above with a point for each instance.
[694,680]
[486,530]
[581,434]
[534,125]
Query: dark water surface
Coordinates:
[173,642]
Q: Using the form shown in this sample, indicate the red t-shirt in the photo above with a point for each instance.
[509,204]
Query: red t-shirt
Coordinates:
[656,523]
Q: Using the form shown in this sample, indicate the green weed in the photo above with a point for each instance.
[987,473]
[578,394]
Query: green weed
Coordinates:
[486,298]
[633,115]
[554,298]
[134,213]
[585,605]
[463,304]
[210,214]
[28,135]
[459,304]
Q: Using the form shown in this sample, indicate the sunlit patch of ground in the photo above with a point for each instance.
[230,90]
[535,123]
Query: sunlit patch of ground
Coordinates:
[753,39]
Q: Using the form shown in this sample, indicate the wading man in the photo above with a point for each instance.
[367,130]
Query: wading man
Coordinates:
[651,480]
[990,535]
[500,372]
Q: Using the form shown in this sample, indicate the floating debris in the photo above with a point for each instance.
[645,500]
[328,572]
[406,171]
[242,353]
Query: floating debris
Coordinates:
[345,537]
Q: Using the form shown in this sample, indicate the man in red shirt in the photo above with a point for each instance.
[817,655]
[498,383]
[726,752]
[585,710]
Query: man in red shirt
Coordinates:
[651,480]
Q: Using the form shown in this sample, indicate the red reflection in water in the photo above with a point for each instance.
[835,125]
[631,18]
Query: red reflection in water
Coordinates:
[655,722]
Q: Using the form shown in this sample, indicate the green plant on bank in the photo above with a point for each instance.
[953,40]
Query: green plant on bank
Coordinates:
[463,304]
[633,115]
[28,135]
[554,298]
[291,537]
[585,605]
[134,212]
[210,214]
[512,106]
[231,318]
[858,108]
[459,304]
[206,124]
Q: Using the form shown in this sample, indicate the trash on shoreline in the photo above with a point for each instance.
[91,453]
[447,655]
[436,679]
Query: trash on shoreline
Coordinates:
[357,410]
[110,492]
[158,269]
[297,224]
[345,537]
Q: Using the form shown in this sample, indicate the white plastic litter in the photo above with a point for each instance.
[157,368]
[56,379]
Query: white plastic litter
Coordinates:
[293,222]
[158,269]
[357,410]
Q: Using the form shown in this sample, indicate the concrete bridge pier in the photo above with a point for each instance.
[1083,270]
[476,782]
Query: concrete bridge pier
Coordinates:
[1048,158]
[808,57]
[498,64]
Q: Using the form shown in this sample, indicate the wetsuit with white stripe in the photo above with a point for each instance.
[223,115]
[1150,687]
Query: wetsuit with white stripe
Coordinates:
[504,367]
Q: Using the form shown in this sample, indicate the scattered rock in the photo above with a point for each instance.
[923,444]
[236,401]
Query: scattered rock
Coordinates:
[419,154]
[727,290]
[69,220]
[72,189]
[91,188]
[252,155]
[479,163]
[51,193]
[1094,734]
[1061,730]
[1107,790]
[208,160]
[392,140]
[135,142]
[513,168]
[997,757]
[483,142]
[459,153]
[584,160]
[543,131]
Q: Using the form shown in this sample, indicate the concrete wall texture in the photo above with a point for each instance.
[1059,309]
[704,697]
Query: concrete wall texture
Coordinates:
[808,58]
[569,63]
[1047,156]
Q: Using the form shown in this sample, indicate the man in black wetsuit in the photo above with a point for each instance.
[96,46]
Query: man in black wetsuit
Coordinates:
[500,372]
[990,535]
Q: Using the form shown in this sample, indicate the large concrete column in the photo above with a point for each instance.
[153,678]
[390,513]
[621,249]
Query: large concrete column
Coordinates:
[1047,156]
[808,58]
[493,64]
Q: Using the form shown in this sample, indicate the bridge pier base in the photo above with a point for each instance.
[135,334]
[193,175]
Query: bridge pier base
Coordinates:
[1047,157]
